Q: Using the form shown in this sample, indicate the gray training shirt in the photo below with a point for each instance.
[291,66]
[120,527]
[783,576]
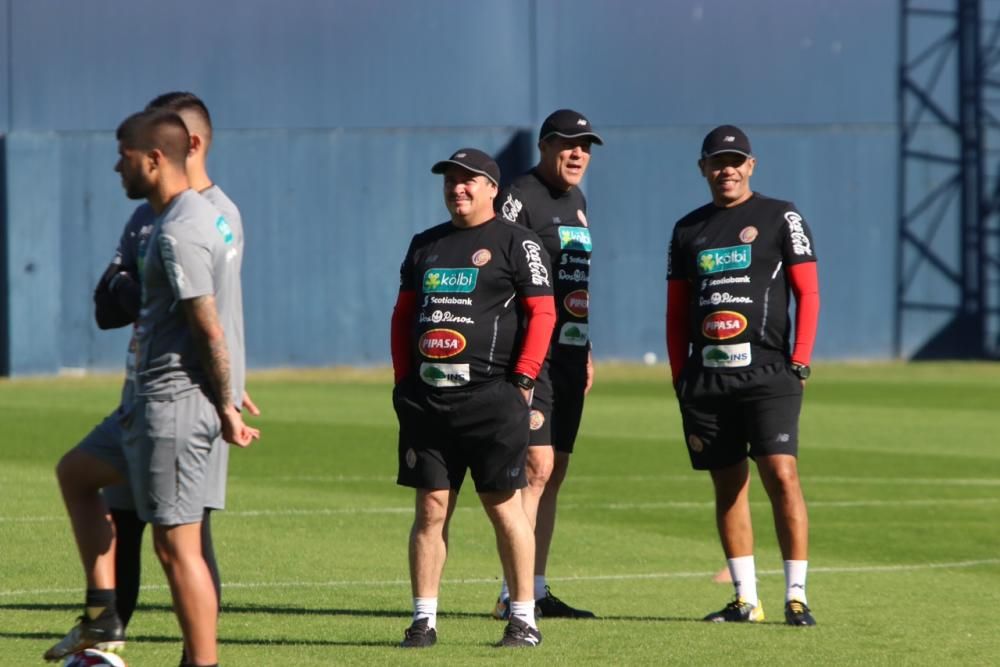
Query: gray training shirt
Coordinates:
[129,257]
[230,304]
[191,253]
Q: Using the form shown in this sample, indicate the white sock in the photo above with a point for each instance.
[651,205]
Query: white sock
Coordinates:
[540,585]
[795,580]
[744,575]
[504,590]
[524,611]
[426,608]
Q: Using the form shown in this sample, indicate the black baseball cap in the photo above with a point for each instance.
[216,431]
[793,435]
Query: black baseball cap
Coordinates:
[725,139]
[569,124]
[472,159]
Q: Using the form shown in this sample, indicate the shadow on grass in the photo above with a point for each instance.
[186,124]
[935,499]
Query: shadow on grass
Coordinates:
[160,639]
[226,609]
[323,611]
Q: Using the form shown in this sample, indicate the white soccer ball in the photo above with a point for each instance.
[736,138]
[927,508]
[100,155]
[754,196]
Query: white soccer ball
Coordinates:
[649,358]
[92,656]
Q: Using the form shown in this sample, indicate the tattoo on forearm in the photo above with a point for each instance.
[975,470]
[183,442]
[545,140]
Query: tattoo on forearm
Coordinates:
[211,341]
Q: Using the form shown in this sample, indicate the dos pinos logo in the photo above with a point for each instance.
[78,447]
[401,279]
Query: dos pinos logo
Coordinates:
[460,281]
[717,260]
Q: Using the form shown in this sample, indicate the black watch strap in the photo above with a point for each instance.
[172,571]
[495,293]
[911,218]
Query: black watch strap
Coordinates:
[523,381]
[802,371]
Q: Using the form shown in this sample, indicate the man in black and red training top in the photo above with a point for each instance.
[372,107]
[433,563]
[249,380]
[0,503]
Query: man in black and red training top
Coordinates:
[469,333]
[732,266]
[548,201]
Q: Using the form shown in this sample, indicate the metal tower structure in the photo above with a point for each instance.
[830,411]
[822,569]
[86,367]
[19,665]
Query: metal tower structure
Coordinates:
[948,247]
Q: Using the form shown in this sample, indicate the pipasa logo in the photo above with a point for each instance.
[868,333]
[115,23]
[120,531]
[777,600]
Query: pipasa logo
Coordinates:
[717,260]
[450,280]
[441,343]
[575,238]
[723,324]
[577,303]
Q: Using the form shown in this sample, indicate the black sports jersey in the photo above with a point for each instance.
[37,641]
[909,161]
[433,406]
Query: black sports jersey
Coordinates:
[559,218]
[735,260]
[468,324]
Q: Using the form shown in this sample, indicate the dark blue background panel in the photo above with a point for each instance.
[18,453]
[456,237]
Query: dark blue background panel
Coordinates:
[718,61]
[271,64]
[5,99]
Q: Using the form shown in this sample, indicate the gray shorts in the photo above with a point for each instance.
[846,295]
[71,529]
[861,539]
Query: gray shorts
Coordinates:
[169,447]
[218,472]
[104,442]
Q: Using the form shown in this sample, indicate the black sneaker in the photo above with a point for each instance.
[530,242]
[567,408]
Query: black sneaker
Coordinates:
[105,633]
[519,634]
[738,611]
[552,607]
[797,613]
[419,635]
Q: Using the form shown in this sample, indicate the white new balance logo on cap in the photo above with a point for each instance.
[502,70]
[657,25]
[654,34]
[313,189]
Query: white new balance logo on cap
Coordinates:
[582,121]
[730,139]
[460,155]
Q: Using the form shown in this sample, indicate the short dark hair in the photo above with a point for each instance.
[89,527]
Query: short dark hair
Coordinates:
[156,129]
[178,101]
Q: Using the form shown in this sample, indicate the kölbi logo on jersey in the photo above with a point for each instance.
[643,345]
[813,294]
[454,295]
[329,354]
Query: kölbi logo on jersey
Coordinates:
[717,260]
[575,238]
[450,280]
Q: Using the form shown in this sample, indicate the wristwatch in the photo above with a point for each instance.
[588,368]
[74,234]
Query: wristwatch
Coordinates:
[523,381]
[802,371]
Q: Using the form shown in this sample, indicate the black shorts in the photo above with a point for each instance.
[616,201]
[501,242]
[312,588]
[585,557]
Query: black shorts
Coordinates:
[729,416]
[557,406]
[443,434]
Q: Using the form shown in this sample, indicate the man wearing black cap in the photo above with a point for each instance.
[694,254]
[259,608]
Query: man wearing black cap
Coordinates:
[548,201]
[731,268]
[470,329]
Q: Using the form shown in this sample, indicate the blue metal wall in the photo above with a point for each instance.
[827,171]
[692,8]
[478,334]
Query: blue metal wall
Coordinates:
[330,113]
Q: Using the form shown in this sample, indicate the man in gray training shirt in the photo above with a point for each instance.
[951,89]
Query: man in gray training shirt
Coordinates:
[184,391]
[117,300]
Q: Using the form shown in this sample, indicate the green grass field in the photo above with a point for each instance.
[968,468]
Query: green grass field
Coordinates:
[900,465]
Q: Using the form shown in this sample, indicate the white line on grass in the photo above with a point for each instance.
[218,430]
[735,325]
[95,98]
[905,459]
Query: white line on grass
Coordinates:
[693,478]
[251,585]
[668,504]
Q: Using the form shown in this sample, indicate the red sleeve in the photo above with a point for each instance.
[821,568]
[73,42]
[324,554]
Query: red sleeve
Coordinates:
[678,325]
[805,287]
[541,311]
[402,319]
